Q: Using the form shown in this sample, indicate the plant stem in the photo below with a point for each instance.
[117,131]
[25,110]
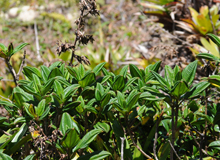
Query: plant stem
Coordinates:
[132,139]
[173,133]
[11,69]
[174,150]
[155,139]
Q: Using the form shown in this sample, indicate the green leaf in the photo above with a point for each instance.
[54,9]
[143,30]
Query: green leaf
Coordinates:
[20,133]
[10,49]
[47,86]
[87,139]
[197,89]
[99,92]
[161,80]
[169,75]
[69,91]
[189,72]
[179,88]
[87,80]
[105,99]
[132,99]
[207,56]
[18,145]
[30,157]
[214,38]
[215,144]
[39,110]
[5,157]
[124,71]
[45,71]
[18,48]
[58,89]
[98,68]
[97,155]
[37,83]
[28,71]
[70,139]
[121,99]
[135,72]
[55,72]
[45,113]
[104,126]
[129,83]
[3,47]
[119,83]
[67,123]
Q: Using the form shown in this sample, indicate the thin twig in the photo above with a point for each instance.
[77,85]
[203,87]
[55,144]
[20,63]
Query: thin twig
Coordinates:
[37,43]
[199,146]
[132,139]
[21,66]
[6,98]
[8,134]
[11,69]
[155,140]
[122,147]
[174,150]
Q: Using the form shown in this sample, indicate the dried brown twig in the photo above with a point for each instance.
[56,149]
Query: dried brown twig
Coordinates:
[86,7]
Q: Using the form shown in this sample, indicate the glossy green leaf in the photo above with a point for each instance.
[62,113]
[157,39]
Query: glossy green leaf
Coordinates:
[28,71]
[105,99]
[197,89]
[45,71]
[5,157]
[39,110]
[70,139]
[67,123]
[161,80]
[18,48]
[214,38]
[189,72]
[87,80]
[69,91]
[121,99]
[119,83]
[215,144]
[97,155]
[58,89]
[10,49]
[135,72]
[98,68]
[129,83]
[47,86]
[124,71]
[87,139]
[3,47]
[169,75]
[37,83]
[179,88]
[55,72]
[45,113]
[20,133]
[132,99]
[30,157]
[207,56]
[104,126]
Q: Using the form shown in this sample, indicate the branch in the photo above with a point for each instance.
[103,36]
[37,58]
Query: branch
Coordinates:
[122,147]
[174,150]
[132,139]
[37,43]
[155,140]
[21,66]
[11,69]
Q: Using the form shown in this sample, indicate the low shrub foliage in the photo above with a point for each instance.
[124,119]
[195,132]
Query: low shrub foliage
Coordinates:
[63,112]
